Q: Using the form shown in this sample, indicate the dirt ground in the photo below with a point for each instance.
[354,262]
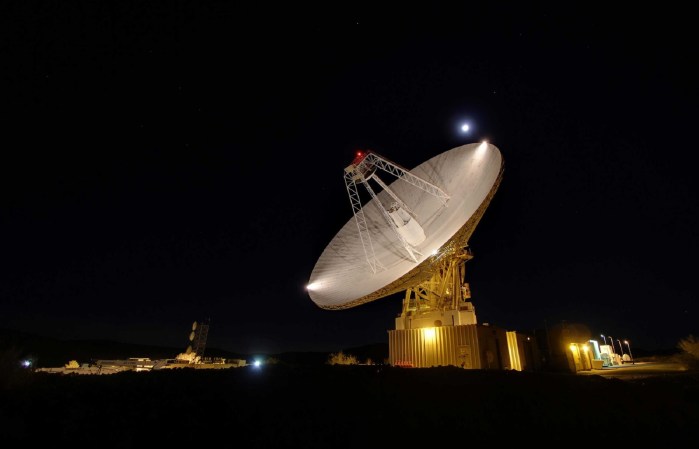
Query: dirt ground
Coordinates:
[347,406]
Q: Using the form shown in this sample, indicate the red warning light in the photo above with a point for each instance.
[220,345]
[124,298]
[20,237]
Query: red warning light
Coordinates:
[359,157]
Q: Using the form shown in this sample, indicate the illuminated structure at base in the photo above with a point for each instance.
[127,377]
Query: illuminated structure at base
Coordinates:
[438,327]
[437,324]
[469,346]
[412,235]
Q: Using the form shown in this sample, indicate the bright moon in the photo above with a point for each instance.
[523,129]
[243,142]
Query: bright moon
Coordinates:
[464,127]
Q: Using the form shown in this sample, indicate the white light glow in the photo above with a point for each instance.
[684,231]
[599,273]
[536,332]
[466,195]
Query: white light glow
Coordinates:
[434,252]
[465,127]
[481,148]
[257,363]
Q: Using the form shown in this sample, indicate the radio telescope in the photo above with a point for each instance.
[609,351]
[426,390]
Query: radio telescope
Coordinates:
[409,229]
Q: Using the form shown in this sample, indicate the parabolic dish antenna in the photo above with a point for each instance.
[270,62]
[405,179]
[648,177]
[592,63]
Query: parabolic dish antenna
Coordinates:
[398,238]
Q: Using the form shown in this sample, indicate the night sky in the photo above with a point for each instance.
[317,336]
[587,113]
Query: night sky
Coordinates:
[171,161]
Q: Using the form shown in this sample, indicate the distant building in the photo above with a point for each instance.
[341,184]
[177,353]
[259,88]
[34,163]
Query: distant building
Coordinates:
[569,347]
[193,357]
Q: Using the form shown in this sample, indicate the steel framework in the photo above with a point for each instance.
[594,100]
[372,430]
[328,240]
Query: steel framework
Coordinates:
[363,169]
